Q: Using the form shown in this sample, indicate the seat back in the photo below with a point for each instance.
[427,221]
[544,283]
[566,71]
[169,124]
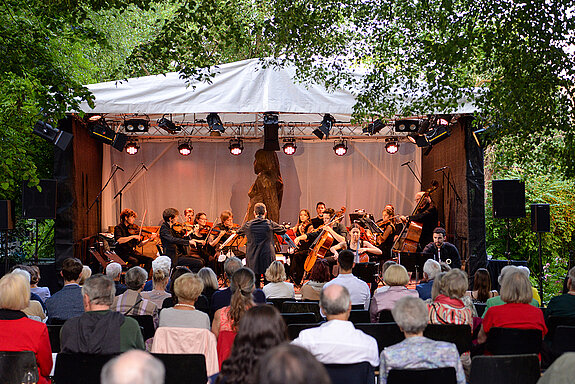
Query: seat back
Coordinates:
[460,335]
[445,375]
[54,334]
[385,316]
[16,366]
[553,322]
[73,368]
[564,340]
[359,316]
[295,329]
[359,373]
[386,334]
[512,341]
[184,368]
[301,307]
[480,308]
[505,369]
[278,303]
[146,323]
[357,306]
[299,318]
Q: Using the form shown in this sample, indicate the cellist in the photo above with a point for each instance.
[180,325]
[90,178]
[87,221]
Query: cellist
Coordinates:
[426,215]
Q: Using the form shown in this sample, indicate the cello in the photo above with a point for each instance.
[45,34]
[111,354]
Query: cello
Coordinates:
[322,243]
[408,239]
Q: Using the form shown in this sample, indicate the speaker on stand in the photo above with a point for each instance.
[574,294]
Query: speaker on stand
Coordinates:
[540,222]
[39,204]
[508,203]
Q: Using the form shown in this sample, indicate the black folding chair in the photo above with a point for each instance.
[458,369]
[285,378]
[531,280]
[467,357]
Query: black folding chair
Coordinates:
[299,318]
[480,308]
[385,316]
[445,375]
[16,367]
[278,303]
[146,323]
[357,306]
[564,340]
[460,335]
[386,334]
[359,316]
[184,368]
[74,368]
[512,341]
[54,334]
[553,322]
[505,369]
[295,329]
[359,373]
[301,307]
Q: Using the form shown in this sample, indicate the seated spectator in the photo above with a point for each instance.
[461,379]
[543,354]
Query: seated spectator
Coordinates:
[42,292]
[516,312]
[564,305]
[447,307]
[527,273]
[67,302]
[133,367]
[358,289]
[481,287]
[210,280]
[100,330]
[188,288]
[431,268]
[160,276]
[337,341]
[34,309]
[288,363]
[561,371]
[131,302]
[261,329]
[384,267]
[278,287]
[223,297]
[17,332]
[28,272]
[396,277]
[319,275]
[497,300]
[86,273]
[114,272]
[417,351]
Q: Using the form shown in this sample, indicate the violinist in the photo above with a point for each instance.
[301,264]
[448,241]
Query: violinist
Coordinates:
[170,242]
[200,231]
[391,228]
[355,244]
[303,227]
[426,215]
[127,234]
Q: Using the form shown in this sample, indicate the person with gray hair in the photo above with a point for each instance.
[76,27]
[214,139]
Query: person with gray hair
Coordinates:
[417,351]
[131,302]
[114,272]
[337,341]
[133,367]
[431,268]
[498,300]
[260,241]
[100,330]
[34,309]
[527,273]
[160,277]
[564,305]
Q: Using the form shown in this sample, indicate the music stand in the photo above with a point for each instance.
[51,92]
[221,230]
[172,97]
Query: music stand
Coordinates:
[413,261]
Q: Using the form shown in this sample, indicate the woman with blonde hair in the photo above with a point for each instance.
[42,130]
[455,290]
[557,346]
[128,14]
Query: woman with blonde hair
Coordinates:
[187,288]
[396,277]
[278,287]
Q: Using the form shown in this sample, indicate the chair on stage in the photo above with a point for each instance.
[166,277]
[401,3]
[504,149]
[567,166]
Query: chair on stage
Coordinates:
[299,318]
[146,323]
[445,375]
[301,307]
[184,368]
[385,316]
[74,368]
[386,334]
[512,341]
[16,366]
[54,334]
[295,329]
[505,369]
[359,373]
[460,335]
[359,316]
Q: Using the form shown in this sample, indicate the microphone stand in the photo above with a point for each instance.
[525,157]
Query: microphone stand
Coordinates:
[136,173]
[97,200]
[416,178]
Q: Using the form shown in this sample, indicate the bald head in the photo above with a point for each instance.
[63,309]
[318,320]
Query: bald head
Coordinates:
[134,366]
[335,302]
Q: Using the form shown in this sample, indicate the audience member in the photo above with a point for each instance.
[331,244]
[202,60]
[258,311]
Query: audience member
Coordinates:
[319,275]
[417,351]
[278,287]
[27,271]
[497,300]
[85,275]
[17,332]
[223,297]
[133,367]
[42,292]
[210,280]
[34,309]
[396,277]
[561,371]
[358,289]
[527,273]
[131,302]
[436,288]
[431,268]
[261,329]
[447,307]
[517,311]
[188,288]
[564,305]
[337,341]
[100,330]
[481,287]
[384,268]
[114,272]
[288,363]
[160,276]
[67,302]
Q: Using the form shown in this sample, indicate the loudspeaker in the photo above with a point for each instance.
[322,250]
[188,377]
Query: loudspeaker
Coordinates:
[540,218]
[40,204]
[508,199]
[271,127]
[6,215]
[120,141]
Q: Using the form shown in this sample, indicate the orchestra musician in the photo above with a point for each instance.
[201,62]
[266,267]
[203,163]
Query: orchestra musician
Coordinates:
[426,215]
[219,235]
[170,242]
[442,250]
[391,228]
[128,241]
[317,221]
[356,245]
[303,227]
[200,231]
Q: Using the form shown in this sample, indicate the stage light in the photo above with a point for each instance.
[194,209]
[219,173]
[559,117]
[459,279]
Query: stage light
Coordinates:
[99,129]
[236,146]
[420,140]
[289,146]
[476,137]
[215,123]
[340,147]
[132,148]
[325,127]
[392,145]
[373,127]
[185,148]
[439,130]
[56,136]
[136,125]
[168,125]
[407,125]
[93,118]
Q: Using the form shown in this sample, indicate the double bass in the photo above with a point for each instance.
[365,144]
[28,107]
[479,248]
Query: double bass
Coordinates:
[323,242]
[408,239]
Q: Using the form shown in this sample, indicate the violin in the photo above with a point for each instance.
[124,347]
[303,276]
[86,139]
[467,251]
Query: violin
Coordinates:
[182,228]
[134,229]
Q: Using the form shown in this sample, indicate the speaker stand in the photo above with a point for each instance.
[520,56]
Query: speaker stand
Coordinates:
[6,264]
[540,268]
[507,240]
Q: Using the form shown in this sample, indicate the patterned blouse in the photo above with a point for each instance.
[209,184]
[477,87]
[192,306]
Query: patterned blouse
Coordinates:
[445,310]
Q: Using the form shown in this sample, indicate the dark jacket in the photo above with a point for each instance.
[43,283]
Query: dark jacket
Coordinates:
[448,253]
[260,244]
[170,242]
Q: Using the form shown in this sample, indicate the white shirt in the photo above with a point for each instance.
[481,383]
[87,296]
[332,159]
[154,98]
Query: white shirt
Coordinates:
[279,290]
[338,342]
[358,289]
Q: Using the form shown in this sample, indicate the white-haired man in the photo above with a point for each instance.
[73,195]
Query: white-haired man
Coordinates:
[114,272]
[133,367]
[431,268]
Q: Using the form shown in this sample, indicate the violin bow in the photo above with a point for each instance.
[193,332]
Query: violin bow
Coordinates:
[143,217]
